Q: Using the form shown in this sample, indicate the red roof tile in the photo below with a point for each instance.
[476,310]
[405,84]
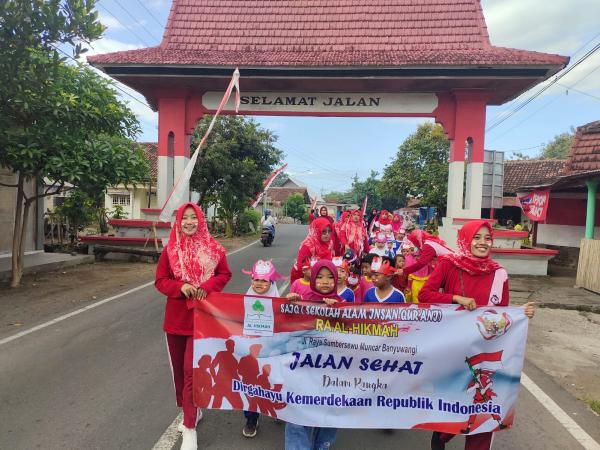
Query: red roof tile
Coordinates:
[585,150]
[531,172]
[151,154]
[326,33]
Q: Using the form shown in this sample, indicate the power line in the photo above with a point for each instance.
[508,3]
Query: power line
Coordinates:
[549,102]
[136,21]
[113,84]
[142,40]
[150,13]
[578,91]
[543,89]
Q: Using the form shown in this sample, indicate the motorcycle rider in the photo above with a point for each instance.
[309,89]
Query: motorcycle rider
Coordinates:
[268,221]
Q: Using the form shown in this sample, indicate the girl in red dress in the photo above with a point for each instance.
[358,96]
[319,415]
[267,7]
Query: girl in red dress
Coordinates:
[192,265]
[318,244]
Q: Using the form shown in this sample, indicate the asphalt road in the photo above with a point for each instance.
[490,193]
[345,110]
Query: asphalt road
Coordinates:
[101,380]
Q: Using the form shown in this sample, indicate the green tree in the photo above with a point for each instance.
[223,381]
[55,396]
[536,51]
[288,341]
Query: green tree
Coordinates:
[294,207]
[78,209]
[59,122]
[558,147]
[420,167]
[238,157]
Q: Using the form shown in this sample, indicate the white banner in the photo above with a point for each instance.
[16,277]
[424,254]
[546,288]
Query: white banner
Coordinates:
[328,102]
[434,367]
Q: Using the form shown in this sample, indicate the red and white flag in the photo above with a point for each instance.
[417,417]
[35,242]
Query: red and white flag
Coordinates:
[535,204]
[181,188]
[487,360]
[268,182]
[364,205]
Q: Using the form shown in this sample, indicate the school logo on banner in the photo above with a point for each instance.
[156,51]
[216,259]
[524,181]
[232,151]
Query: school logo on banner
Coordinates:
[258,316]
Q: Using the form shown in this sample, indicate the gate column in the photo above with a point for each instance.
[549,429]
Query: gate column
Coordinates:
[466,155]
[177,117]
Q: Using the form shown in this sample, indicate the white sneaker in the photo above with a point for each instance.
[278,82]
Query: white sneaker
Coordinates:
[181,426]
[189,439]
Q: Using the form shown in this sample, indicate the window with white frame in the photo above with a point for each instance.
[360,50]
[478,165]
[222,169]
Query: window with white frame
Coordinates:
[121,199]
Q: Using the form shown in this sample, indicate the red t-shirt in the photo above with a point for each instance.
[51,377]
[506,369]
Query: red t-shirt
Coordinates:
[178,318]
[446,276]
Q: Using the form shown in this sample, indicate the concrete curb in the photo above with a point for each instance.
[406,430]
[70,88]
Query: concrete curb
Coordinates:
[50,266]
[570,307]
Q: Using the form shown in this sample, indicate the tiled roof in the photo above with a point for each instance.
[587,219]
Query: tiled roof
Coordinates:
[279,195]
[150,152]
[531,172]
[585,150]
[326,33]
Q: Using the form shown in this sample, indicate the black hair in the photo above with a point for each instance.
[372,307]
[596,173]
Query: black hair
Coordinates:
[390,260]
[367,258]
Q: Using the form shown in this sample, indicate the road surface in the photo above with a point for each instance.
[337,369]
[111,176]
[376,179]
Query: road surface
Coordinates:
[100,379]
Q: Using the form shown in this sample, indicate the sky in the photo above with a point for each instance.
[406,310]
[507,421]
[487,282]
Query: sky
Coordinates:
[325,153]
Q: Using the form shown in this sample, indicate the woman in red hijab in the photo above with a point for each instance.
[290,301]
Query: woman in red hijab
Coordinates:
[397,223]
[351,233]
[318,244]
[192,265]
[470,278]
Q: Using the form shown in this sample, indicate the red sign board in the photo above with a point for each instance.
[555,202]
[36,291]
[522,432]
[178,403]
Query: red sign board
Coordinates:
[535,204]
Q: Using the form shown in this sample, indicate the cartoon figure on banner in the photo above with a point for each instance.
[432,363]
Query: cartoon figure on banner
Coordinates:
[492,325]
[223,377]
[480,366]
[203,381]
[215,379]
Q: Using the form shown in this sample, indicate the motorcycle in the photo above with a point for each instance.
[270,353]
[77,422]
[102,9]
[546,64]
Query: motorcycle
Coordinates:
[267,236]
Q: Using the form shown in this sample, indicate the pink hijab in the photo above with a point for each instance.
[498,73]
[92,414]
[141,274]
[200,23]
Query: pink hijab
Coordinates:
[193,259]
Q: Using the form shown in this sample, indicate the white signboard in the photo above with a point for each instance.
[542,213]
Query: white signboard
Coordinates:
[327,102]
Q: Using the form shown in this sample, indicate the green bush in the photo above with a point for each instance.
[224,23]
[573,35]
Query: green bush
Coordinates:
[244,220]
[118,212]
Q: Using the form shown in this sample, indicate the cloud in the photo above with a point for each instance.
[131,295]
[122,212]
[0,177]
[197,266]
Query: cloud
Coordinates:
[109,45]
[109,21]
[557,26]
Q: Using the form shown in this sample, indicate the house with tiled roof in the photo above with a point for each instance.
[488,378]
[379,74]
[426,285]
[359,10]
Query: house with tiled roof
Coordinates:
[572,216]
[527,172]
[134,199]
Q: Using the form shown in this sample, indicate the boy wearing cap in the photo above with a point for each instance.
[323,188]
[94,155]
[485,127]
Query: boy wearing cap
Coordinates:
[382,271]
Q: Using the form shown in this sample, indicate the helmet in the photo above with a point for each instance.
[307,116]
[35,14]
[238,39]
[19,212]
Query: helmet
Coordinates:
[349,256]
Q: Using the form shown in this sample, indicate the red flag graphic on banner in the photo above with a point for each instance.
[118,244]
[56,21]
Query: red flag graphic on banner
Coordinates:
[485,357]
[535,204]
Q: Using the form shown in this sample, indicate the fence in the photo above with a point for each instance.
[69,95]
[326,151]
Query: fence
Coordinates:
[588,269]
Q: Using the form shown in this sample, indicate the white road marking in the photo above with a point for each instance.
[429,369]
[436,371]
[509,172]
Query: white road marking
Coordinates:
[170,436]
[559,414]
[41,326]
